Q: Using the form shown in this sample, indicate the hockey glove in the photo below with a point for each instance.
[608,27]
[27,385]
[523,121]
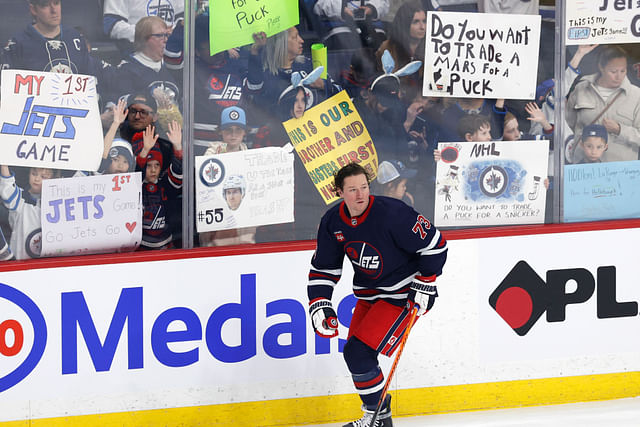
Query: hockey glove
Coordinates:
[323,317]
[423,293]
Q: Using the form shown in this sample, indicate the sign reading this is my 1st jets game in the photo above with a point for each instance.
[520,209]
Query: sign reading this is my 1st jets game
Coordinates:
[91,214]
[235,21]
[50,120]
[602,21]
[491,183]
[481,55]
[329,136]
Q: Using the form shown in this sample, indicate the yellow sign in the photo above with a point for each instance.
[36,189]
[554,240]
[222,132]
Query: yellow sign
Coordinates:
[329,136]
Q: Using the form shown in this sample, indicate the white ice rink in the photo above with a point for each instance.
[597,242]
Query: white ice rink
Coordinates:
[610,413]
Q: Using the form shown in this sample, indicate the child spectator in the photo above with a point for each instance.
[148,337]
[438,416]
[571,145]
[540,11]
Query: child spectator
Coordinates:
[594,142]
[393,177]
[24,210]
[471,128]
[233,125]
[117,156]
[160,190]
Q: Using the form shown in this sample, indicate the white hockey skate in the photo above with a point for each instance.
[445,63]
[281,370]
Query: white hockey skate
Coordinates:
[383,419]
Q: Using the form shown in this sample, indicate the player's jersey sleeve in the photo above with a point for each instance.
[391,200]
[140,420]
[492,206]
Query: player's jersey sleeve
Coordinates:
[326,264]
[414,233]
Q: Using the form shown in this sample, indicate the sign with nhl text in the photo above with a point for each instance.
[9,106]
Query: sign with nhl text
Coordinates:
[491,183]
[329,136]
[481,55]
[602,21]
[235,21]
[244,189]
[91,214]
[598,191]
[50,120]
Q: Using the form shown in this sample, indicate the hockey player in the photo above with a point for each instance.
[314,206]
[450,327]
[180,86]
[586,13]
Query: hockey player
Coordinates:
[396,255]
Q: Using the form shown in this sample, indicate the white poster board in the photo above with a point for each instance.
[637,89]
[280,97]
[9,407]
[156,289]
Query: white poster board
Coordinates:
[50,120]
[481,55]
[244,189]
[491,183]
[602,21]
[91,214]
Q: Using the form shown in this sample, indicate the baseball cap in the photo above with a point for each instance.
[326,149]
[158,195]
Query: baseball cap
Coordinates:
[233,116]
[390,170]
[595,130]
[386,89]
[144,99]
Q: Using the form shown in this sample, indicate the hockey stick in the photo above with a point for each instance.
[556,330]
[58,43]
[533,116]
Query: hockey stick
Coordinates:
[412,319]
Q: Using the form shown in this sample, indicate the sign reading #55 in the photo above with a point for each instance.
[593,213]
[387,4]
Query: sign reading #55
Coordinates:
[89,215]
[50,120]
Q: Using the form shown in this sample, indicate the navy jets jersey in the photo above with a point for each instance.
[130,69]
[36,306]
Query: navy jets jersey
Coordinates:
[387,245]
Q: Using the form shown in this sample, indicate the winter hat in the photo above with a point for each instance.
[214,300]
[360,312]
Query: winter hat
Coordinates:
[120,147]
[233,116]
[156,155]
[393,169]
[595,130]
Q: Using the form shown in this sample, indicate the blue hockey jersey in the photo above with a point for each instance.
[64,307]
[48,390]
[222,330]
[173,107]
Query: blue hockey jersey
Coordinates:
[387,245]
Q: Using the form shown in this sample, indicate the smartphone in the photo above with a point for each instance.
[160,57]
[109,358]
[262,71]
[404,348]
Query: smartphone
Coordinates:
[358,15]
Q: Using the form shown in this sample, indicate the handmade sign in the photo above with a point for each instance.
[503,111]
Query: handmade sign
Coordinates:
[329,136]
[602,21]
[91,214]
[481,55]
[50,120]
[598,191]
[491,183]
[235,21]
[244,188]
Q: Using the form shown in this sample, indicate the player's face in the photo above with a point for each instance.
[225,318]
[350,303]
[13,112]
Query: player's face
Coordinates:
[355,192]
[418,27]
[140,116]
[152,172]
[294,43]
[299,105]
[233,196]
[511,131]
[482,135]
[593,147]
[49,15]
[119,164]
[36,175]
[233,136]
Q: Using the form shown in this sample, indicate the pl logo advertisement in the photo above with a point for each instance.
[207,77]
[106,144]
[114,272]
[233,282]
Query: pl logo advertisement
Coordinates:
[523,296]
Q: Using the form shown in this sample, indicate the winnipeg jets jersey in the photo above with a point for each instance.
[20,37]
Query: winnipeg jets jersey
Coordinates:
[387,246]
[121,16]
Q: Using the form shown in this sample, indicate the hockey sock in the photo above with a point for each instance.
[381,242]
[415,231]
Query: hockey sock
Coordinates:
[368,379]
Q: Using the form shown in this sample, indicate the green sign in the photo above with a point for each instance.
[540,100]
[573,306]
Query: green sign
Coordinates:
[233,22]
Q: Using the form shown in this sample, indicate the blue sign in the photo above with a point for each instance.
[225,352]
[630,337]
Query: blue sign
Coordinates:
[602,191]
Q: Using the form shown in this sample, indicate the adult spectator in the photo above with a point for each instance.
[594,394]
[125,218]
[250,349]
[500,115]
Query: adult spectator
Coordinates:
[45,45]
[122,16]
[142,113]
[349,24]
[607,98]
[406,38]
[522,7]
[145,71]
[271,63]
[219,81]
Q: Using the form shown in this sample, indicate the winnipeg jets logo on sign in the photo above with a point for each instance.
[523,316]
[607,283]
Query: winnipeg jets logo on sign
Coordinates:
[365,257]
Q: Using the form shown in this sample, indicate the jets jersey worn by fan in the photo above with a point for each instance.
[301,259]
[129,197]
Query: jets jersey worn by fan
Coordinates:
[387,245]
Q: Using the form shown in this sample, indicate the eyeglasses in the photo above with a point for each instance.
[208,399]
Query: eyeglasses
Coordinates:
[143,113]
[160,35]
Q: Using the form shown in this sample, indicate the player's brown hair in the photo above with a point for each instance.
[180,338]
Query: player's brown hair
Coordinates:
[352,169]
